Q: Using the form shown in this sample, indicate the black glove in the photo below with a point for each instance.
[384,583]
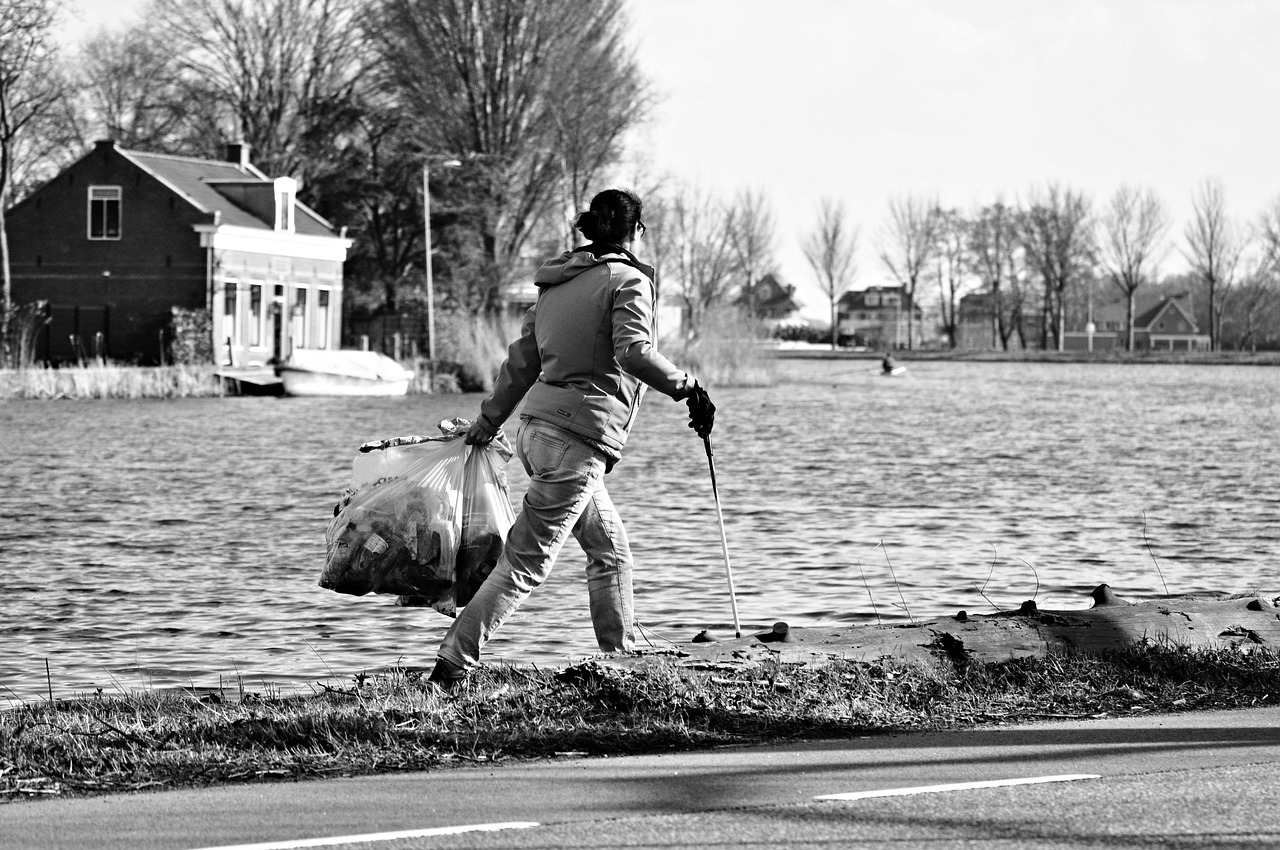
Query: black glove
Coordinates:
[478,435]
[702,413]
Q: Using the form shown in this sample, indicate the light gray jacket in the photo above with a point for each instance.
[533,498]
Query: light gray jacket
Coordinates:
[586,349]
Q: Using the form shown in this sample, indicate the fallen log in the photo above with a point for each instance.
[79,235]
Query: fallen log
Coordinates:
[1246,622]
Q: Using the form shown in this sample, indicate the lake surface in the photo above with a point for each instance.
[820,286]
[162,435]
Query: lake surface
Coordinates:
[149,544]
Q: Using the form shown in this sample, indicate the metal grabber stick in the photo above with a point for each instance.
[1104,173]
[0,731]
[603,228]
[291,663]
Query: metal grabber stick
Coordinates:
[724,541]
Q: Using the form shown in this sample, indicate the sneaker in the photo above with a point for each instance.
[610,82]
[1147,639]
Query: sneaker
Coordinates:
[446,676]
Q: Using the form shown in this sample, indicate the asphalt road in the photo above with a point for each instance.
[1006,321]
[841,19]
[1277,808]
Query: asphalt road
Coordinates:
[1203,780]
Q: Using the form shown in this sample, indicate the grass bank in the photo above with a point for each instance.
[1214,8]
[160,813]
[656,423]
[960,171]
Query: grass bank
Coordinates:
[394,721]
[109,380]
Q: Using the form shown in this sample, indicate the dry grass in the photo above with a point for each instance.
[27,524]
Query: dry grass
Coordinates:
[395,721]
[729,350]
[108,380]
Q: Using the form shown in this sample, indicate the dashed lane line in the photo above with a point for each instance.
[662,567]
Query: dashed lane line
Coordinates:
[957,786]
[369,838]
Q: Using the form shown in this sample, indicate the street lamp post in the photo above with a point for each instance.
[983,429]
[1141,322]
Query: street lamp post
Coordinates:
[426,228]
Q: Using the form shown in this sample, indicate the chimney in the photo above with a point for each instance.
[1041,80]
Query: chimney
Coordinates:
[238,153]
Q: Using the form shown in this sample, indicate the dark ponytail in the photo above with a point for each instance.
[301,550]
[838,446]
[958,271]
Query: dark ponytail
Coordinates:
[613,215]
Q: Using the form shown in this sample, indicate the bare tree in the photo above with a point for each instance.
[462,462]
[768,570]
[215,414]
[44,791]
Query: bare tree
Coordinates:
[1057,234]
[256,71]
[29,89]
[952,262]
[752,235]
[909,244]
[530,91]
[1253,305]
[1133,227]
[1214,247]
[832,251]
[128,89]
[1257,302]
[992,246]
[701,254]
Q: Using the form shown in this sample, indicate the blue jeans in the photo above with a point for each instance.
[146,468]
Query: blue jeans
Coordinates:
[566,496]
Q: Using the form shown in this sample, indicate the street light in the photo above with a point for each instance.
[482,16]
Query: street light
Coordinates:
[426,227]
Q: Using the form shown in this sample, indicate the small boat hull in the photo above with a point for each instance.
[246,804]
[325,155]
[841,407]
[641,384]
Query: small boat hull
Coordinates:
[302,383]
[343,373]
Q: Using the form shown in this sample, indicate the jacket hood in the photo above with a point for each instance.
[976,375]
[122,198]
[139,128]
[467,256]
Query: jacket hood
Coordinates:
[570,264]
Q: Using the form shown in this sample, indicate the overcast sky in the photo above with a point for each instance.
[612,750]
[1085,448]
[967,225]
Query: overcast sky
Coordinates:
[966,100]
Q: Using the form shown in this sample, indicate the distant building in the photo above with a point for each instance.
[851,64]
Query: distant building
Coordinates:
[1165,325]
[772,300]
[976,328]
[876,317]
[120,238]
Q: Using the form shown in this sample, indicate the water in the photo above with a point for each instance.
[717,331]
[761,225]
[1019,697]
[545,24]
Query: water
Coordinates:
[149,544]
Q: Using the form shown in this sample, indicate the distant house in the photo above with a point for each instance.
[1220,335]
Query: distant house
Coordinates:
[877,317]
[976,328]
[1165,325]
[120,238]
[771,300]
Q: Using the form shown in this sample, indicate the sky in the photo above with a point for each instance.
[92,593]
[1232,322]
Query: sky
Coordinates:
[965,101]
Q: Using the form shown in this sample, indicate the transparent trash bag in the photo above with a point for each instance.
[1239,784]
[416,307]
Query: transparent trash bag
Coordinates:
[425,519]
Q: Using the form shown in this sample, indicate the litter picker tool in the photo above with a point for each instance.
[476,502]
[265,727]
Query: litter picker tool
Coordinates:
[724,541]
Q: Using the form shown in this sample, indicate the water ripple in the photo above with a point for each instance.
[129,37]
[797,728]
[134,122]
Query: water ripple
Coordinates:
[189,557]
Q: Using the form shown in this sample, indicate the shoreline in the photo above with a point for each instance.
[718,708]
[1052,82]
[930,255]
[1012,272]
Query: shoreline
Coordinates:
[119,381]
[774,686]
[1137,358]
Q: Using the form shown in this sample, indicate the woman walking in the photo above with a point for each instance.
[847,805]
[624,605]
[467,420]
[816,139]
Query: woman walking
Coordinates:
[585,353]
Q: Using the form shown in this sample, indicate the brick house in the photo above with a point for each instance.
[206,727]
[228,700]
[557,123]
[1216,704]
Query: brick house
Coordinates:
[120,238]
[877,317]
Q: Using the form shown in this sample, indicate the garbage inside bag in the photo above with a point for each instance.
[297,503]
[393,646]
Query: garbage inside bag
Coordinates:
[425,519]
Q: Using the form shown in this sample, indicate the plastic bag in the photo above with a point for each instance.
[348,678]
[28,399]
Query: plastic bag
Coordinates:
[425,518]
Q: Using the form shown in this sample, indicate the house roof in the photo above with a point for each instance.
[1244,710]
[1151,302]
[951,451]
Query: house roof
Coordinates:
[1147,320]
[197,180]
[856,299]
[771,295]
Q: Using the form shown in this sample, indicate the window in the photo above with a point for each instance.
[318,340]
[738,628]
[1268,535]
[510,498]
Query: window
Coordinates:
[286,189]
[284,212]
[104,212]
[322,319]
[255,314]
[298,327]
[231,313]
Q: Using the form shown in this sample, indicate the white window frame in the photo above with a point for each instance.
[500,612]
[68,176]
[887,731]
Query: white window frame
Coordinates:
[286,190]
[258,322]
[231,324]
[105,195]
[324,318]
[299,319]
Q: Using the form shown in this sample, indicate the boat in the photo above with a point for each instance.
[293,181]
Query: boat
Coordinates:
[342,372]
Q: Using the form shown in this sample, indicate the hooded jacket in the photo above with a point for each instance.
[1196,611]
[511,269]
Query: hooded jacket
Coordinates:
[586,349]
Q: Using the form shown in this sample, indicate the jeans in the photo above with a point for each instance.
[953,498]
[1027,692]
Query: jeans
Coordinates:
[566,495]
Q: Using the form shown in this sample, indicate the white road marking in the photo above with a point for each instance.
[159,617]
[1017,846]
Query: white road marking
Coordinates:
[369,838]
[958,786]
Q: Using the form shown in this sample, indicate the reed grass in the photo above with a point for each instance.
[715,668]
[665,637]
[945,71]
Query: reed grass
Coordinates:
[100,380]
[395,721]
[729,349]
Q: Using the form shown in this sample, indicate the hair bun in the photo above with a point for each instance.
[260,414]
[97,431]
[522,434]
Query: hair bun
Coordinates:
[589,220]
